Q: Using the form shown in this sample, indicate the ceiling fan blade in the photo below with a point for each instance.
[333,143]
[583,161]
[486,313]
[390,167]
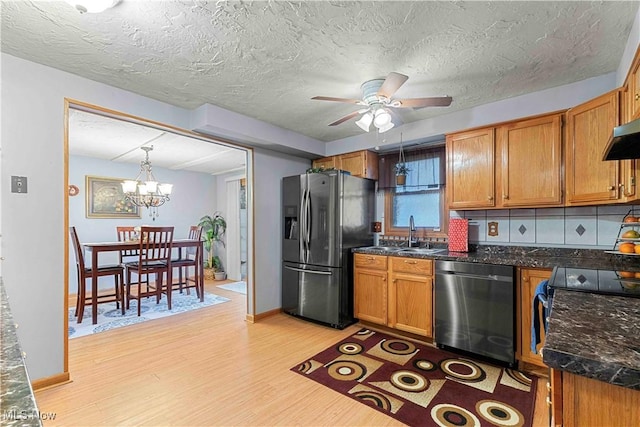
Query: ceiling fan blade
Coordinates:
[391,84]
[329,98]
[442,101]
[345,118]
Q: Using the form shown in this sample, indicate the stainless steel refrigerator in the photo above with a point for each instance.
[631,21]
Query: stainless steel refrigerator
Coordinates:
[324,216]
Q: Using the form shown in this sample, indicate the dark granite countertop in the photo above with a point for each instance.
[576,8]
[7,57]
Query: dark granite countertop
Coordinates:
[596,336]
[18,405]
[525,256]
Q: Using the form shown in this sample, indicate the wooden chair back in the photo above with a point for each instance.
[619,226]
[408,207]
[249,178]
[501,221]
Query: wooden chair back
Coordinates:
[155,245]
[77,248]
[195,233]
[127,234]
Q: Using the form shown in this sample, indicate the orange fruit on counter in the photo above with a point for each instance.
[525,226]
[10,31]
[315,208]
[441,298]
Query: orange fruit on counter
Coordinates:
[637,275]
[631,219]
[637,249]
[627,248]
[626,274]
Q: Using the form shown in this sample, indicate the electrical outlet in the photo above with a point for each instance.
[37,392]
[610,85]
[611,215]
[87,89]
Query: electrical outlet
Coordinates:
[18,184]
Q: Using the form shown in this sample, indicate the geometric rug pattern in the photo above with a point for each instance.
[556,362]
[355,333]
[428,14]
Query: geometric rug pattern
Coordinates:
[239,287]
[421,385]
[110,317]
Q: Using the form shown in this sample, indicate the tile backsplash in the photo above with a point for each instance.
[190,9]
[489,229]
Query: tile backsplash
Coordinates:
[581,227]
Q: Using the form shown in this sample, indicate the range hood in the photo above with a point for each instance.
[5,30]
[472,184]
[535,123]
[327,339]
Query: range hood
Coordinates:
[624,142]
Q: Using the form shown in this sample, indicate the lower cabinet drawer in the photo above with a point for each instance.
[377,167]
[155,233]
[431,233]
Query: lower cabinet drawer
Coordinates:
[375,262]
[412,265]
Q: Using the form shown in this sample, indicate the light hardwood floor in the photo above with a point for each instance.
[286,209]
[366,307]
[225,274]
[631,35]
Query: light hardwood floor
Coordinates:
[208,367]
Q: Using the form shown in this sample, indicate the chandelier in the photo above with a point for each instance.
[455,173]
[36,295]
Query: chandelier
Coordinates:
[145,191]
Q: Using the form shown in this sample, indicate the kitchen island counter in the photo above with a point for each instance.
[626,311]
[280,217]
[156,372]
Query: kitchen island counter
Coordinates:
[595,336]
[18,402]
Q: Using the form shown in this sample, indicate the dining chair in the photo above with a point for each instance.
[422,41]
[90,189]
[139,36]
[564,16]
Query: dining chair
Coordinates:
[154,257]
[85,273]
[190,258]
[128,234]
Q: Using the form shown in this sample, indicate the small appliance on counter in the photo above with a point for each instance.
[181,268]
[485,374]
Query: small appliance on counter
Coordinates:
[458,235]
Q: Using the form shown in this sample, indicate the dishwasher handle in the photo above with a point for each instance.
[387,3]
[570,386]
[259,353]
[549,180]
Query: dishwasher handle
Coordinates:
[493,277]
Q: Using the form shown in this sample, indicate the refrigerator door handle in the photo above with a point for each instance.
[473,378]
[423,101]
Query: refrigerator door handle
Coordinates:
[301,233]
[302,270]
[308,217]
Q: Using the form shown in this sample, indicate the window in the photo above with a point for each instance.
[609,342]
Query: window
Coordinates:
[422,196]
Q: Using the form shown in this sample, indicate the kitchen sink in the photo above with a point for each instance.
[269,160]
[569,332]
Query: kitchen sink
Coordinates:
[423,251]
[385,248]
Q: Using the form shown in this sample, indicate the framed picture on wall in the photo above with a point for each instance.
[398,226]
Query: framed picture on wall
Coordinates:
[105,199]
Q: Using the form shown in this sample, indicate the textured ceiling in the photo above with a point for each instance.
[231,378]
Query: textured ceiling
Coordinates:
[266,59]
[97,136]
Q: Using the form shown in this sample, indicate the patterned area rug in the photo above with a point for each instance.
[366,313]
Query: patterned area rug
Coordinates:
[110,317]
[421,385]
[239,287]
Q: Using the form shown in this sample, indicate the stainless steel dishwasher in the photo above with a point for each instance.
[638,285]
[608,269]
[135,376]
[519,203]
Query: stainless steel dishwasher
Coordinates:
[475,309]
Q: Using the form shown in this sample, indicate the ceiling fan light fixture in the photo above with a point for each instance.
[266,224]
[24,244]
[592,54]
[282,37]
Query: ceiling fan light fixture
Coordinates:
[382,118]
[385,127]
[92,6]
[364,122]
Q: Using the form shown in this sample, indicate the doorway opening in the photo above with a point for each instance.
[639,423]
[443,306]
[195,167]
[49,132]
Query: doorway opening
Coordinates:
[106,143]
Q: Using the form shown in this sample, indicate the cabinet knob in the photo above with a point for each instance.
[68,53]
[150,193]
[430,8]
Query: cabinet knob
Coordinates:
[505,196]
[548,386]
[612,187]
[384,279]
[490,197]
[406,261]
[637,97]
[548,401]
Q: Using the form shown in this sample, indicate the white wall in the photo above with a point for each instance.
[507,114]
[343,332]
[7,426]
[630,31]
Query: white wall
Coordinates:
[32,117]
[194,195]
[269,170]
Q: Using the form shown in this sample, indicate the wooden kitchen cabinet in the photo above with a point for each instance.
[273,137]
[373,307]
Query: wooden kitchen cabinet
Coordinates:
[359,163]
[326,163]
[411,295]
[589,179]
[510,165]
[471,169]
[404,301]
[530,166]
[591,403]
[633,83]
[529,280]
[370,288]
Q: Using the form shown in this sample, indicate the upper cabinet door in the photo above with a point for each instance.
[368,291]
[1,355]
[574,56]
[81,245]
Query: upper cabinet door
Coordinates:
[634,89]
[470,169]
[531,162]
[589,179]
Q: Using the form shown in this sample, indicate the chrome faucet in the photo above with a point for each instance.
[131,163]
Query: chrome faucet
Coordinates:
[412,229]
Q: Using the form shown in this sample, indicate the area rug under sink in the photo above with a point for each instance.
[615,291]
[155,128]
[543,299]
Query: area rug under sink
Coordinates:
[420,385]
[110,317]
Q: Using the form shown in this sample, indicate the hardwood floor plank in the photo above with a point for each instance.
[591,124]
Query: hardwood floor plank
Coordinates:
[207,367]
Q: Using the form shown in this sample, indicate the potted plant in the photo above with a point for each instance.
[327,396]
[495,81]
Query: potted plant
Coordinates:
[213,228]
[401,173]
[218,271]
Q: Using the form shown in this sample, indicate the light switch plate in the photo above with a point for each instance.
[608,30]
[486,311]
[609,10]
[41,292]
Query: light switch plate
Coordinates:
[18,184]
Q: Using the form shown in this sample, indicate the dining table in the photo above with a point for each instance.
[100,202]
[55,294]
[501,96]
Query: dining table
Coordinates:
[100,247]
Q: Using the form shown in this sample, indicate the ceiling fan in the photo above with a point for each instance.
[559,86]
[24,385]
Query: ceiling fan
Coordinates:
[376,97]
